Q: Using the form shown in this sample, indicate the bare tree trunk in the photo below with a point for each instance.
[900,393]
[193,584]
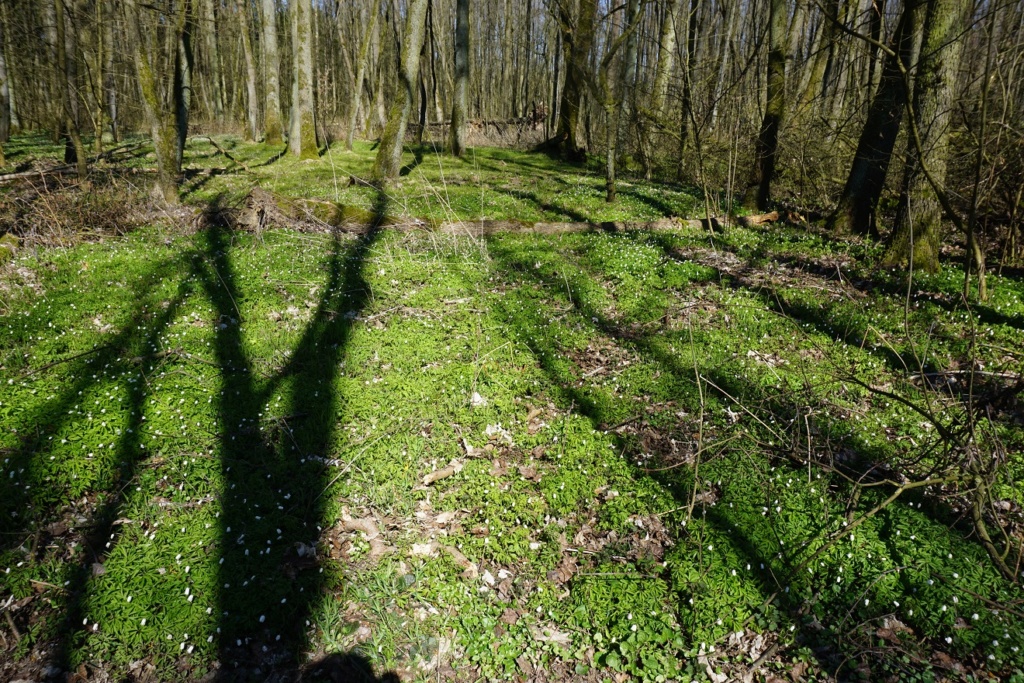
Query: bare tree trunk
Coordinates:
[759,190]
[917,235]
[389,154]
[302,141]
[272,126]
[251,100]
[212,55]
[5,91]
[666,58]
[109,83]
[458,127]
[357,85]
[182,92]
[65,64]
[686,106]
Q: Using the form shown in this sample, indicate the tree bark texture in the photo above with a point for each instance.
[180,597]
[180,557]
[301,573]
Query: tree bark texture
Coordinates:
[388,162]
[302,141]
[577,38]
[759,191]
[856,212]
[458,127]
[917,235]
[272,126]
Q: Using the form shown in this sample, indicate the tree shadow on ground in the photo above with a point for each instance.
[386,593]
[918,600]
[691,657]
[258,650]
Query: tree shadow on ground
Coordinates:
[275,473]
[38,513]
[749,533]
[345,668]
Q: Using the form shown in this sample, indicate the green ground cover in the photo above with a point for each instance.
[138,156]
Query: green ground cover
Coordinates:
[652,439]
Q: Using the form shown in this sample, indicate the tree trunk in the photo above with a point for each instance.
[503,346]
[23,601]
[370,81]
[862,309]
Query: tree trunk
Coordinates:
[666,59]
[161,116]
[917,235]
[577,38]
[357,85]
[759,191]
[458,127]
[859,202]
[302,141]
[212,58]
[5,92]
[109,83]
[65,65]
[389,155]
[685,109]
[182,90]
[251,100]
[272,126]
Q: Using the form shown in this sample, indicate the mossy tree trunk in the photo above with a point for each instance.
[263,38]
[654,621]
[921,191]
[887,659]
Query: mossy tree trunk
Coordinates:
[856,211]
[302,140]
[759,189]
[458,127]
[917,236]
[272,127]
[163,111]
[388,162]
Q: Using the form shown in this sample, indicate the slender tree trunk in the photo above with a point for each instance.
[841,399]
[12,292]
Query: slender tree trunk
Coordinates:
[302,142]
[812,87]
[685,109]
[731,19]
[183,72]
[5,91]
[458,127]
[389,155]
[11,112]
[251,100]
[66,67]
[357,86]
[859,201]
[109,82]
[759,190]
[975,259]
[272,126]
[666,59]
[917,235]
[212,55]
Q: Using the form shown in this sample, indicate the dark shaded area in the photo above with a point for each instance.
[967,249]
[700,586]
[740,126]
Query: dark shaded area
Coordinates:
[273,507]
[345,668]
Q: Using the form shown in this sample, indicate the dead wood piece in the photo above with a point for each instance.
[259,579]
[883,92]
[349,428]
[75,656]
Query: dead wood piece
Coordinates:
[369,527]
[454,467]
[759,219]
[470,570]
[225,153]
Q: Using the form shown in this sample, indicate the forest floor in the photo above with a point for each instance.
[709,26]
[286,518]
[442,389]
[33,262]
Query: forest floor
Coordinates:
[281,453]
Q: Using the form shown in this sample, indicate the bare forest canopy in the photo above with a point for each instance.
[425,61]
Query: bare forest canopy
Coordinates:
[888,118]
